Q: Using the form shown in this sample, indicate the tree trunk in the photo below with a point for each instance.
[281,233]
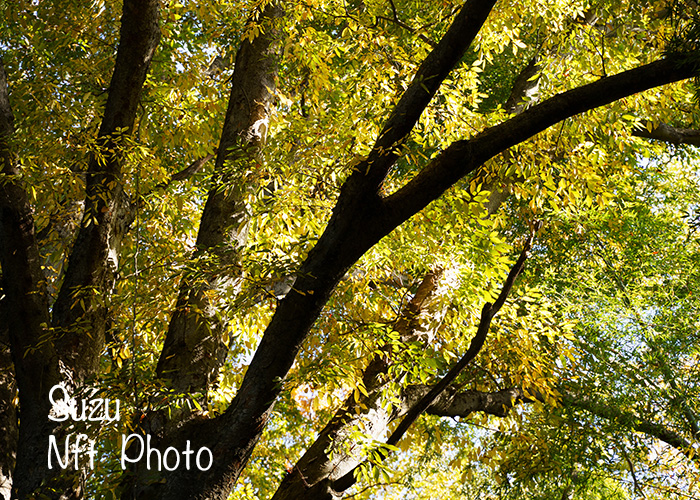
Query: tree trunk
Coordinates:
[65,346]
[194,350]
[76,338]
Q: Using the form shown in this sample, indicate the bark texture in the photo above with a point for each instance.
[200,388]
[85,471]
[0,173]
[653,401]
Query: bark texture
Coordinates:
[194,350]
[69,350]
[452,403]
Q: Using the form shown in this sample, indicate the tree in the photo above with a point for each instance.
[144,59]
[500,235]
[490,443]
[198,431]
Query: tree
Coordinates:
[361,159]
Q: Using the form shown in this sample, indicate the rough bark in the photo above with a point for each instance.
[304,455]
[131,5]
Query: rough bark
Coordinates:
[80,311]
[452,403]
[194,350]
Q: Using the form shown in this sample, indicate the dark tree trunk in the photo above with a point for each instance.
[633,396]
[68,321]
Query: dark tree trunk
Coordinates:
[77,337]
[9,424]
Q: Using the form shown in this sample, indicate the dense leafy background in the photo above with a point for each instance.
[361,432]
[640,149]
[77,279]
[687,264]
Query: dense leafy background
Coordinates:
[607,309]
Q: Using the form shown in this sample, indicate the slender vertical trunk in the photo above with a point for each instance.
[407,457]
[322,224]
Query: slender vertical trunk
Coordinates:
[194,349]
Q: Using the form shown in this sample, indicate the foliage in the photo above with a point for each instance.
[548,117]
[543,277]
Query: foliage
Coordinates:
[606,313]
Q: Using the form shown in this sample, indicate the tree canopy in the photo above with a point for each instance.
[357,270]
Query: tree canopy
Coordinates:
[259,249]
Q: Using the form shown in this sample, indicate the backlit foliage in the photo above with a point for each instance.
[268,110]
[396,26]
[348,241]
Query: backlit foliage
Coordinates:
[607,308]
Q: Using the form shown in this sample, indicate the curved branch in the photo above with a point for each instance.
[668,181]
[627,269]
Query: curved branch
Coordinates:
[463,157]
[667,133]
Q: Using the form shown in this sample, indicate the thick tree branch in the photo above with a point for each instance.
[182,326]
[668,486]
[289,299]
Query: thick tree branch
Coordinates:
[667,133]
[463,157]
[194,350]
[431,73]
[462,404]
[80,311]
[371,172]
